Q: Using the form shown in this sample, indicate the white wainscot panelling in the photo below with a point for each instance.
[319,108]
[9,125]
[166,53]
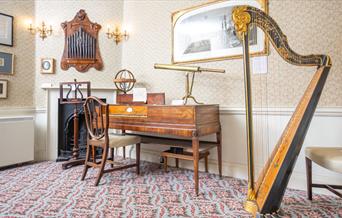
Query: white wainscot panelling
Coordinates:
[16,140]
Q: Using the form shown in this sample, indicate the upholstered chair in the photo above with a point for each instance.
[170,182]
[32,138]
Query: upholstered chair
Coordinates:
[327,157]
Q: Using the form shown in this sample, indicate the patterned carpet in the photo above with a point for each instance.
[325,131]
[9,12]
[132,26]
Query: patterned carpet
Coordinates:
[45,190]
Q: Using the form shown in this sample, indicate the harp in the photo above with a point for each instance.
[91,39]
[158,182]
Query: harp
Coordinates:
[265,195]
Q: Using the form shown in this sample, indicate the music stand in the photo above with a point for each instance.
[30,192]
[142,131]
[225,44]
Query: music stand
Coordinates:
[74,96]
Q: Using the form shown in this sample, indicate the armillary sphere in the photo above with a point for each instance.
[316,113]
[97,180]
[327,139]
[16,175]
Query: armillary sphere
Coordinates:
[124,80]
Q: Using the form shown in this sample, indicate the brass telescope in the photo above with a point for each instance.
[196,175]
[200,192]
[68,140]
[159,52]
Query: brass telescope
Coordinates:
[187,68]
[189,82]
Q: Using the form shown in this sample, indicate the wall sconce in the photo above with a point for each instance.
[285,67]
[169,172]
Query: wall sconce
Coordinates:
[117,35]
[42,30]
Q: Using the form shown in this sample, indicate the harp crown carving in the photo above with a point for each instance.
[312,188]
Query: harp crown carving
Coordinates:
[241,20]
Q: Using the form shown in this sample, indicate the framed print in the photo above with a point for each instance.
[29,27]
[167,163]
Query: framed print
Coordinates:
[6,63]
[6,29]
[206,33]
[47,65]
[3,88]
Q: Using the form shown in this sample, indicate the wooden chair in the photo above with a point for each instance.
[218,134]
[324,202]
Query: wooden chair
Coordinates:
[327,157]
[97,121]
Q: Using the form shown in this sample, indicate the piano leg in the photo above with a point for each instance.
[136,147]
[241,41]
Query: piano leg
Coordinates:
[219,151]
[195,152]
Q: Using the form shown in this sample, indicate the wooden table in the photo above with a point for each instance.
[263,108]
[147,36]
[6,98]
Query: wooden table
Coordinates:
[188,122]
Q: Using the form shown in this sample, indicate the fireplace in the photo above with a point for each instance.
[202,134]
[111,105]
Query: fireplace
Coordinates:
[66,131]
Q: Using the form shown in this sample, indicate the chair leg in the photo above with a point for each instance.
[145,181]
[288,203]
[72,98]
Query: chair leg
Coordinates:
[177,163]
[219,151]
[112,157]
[206,163]
[85,169]
[103,164]
[165,164]
[124,152]
[137,157]
[93,153]
[309,177]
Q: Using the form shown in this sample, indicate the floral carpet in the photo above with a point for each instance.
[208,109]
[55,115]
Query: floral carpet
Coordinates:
[45,190]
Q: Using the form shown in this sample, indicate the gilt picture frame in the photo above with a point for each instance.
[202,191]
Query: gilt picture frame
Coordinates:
[47,65]
[6,63]
[3,88]
[206,32]
[6,30]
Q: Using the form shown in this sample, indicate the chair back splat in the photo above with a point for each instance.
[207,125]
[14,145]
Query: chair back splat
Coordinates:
[96,116]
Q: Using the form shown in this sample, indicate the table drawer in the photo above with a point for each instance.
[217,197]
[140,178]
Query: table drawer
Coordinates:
[128,110]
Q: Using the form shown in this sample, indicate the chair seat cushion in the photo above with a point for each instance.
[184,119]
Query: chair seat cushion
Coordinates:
[328,157]
[116,141]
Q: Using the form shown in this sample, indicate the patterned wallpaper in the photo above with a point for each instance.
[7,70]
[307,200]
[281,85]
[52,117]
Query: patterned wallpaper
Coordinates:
[104,13]
[311,27]
[21,84]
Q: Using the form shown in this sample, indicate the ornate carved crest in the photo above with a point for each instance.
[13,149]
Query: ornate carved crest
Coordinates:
[81,47]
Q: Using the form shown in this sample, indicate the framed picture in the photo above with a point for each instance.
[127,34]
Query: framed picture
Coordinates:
[47,65]
[6,30]
[6,63]
[3,88]
[206,33]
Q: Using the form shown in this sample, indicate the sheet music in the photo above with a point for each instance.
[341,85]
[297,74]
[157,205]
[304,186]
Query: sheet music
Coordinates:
[139,94]
[177,102]
[259,65]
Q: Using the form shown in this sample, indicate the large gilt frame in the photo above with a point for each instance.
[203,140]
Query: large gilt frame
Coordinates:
[177,14]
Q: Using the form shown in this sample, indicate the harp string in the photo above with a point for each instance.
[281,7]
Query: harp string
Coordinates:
[261,119]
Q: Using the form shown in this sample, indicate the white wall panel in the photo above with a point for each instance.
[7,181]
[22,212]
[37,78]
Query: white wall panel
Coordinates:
[16,140]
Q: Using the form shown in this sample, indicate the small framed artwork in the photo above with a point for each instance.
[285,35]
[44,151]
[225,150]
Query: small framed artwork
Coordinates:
[6,63]
[47,65]
[3,88]
[6,29]
[206,33]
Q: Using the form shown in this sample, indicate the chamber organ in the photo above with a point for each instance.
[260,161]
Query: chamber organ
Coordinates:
[266,193]
[81,45]
[81,48]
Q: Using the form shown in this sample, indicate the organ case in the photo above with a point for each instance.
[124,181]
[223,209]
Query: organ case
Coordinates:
[81,47]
